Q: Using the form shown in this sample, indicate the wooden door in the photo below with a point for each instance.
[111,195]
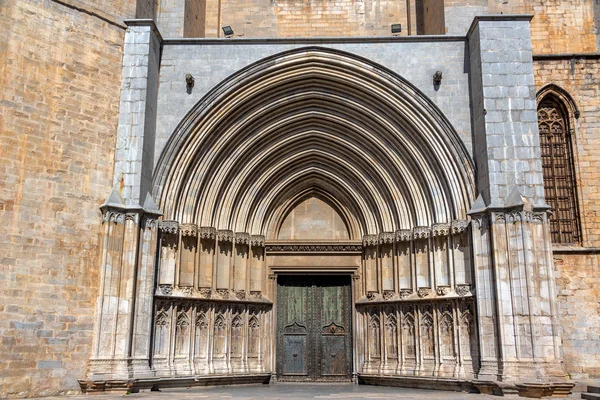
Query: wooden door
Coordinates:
[314,341]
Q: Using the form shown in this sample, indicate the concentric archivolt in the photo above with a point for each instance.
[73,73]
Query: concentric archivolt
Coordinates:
[315,122]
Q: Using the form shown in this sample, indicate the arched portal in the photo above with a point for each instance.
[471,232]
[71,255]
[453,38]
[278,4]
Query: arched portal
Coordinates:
[315,162]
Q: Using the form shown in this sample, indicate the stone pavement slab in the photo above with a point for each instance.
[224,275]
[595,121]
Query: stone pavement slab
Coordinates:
[295,391]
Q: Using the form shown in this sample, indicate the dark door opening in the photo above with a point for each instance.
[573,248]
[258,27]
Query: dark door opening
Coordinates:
[314,328]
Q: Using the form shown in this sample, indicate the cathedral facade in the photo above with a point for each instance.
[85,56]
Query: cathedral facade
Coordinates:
[201,192]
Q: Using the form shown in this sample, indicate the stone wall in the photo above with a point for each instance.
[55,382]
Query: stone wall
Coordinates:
[576,273]
[60,74]
[414,60]
[559,26]
[578,282]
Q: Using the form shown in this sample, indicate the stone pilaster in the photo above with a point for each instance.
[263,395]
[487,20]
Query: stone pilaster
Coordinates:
[519,338]
[134,156]
[124,306]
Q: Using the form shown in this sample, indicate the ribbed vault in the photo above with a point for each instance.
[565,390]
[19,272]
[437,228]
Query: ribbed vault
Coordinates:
[315,122]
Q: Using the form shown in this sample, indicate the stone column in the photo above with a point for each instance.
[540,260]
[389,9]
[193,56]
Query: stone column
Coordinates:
[513,259]
[124,311]
[124,306]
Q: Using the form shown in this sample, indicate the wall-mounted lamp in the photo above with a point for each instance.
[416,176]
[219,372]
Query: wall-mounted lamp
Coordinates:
[189,80]
[227,31]
[437,78]
[396,29]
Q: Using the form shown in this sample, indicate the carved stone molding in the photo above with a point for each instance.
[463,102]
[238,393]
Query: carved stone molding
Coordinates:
[370,240]
[240,294]
[165,290]
[225,235]
[463,289]
[421,232]
[389,294]
[459,226]
[149,222]
[171,227]
[257,240]
[208,232]
[480,222]
[242,238]
[184,291]
[372,296]
[223,293]
[405,293]
[313,247]
[423,292]
[442,290]
[403,235]
[255,294]
[386,238]
[205,293]
[442,229]
[189,230]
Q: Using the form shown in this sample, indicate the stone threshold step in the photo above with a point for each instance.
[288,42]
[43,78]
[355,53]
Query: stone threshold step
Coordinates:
[590,396]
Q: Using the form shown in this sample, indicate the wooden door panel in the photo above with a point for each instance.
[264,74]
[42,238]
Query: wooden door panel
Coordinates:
[334,356]
[294,355]
[314,328]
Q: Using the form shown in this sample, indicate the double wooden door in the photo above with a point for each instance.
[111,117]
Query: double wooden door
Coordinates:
[314,328]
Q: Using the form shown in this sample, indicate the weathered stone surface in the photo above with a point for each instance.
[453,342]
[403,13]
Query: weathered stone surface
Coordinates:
[77,110]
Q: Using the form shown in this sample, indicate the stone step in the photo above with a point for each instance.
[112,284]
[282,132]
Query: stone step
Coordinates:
[593,389]
[590,396]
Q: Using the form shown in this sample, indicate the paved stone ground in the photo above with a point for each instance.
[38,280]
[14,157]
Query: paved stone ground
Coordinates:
[291,391]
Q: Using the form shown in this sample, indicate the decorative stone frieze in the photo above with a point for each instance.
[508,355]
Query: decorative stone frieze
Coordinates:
[184,291]
[442,290]
[242,238]
[459,226]
[257,240]
[240,294]
[208,232]
[372,296]
[405,293]
[205,293]
[189,230]
[463,289]
[403,235]
[386,238]
[442,229]
[313,248]
[223,293]
[171,227]
[423,292]
[421,232]
[370,240]
[165,290]
[389,295]
[255,294]
[225,235]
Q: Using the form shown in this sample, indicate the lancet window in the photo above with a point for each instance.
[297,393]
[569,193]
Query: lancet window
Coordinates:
[558,170]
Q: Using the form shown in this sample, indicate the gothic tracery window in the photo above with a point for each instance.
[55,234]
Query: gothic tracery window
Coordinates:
[558,169]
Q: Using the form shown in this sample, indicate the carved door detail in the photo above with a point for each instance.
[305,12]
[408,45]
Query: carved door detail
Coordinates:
[314,328]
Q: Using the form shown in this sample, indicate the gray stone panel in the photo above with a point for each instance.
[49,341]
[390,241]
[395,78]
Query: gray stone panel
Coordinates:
[210,62]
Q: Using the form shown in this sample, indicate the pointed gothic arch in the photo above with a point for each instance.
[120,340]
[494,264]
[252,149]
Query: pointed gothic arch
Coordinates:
[322,121]
[557,112]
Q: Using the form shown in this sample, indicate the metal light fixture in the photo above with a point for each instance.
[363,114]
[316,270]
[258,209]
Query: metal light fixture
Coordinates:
[227,31]
[396,28]
[189,80]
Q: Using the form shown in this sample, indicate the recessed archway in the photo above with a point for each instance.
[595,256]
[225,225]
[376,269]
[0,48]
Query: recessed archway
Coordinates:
[315,120]
[389,182]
